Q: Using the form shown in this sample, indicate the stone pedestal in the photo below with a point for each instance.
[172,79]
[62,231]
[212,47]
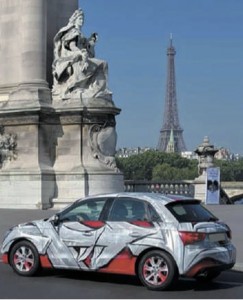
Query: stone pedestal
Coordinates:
[200,188]
[27,28]
[27,189]
[52,150]
[26,177]
[79,170]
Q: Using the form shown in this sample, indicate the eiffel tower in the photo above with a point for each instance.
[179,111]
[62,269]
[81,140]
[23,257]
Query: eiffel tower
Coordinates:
[171,138]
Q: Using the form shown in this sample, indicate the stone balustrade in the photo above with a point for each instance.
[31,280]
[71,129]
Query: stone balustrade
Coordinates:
[176,187]
[185,187]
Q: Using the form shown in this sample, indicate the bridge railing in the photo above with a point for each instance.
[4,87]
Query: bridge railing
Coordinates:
[185,187]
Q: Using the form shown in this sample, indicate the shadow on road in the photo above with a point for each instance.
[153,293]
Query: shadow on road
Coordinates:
[92,276]
[226,280]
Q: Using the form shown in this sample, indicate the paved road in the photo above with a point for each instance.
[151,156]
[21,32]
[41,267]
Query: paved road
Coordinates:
[66,284]
[232,215]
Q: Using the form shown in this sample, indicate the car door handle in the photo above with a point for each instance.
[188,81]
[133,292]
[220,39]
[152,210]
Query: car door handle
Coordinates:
[88,233]
[135,234]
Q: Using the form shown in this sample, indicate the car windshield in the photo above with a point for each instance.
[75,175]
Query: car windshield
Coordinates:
[190,211]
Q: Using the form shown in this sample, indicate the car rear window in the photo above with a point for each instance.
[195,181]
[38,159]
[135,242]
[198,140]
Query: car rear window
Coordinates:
[190,211]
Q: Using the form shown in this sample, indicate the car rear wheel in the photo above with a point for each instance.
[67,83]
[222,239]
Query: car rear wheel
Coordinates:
[24,258]
[157,270]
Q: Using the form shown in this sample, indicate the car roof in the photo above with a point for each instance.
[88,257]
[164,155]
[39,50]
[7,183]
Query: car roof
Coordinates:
[149,197]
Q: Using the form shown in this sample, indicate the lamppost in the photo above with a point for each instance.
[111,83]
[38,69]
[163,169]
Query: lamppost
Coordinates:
[205,152]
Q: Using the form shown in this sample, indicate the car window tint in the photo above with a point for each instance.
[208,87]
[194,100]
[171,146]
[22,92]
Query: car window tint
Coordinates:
[154,216]
[86,210]
[127,209]
[190,212]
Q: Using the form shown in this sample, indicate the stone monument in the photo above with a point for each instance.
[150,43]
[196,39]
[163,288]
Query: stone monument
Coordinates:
[85,163]
[205,152]
[57,116]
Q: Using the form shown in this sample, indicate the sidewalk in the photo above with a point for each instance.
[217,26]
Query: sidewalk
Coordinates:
[231,214]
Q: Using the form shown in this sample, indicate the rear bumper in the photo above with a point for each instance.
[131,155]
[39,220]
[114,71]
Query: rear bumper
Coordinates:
[207,264]
[218,259]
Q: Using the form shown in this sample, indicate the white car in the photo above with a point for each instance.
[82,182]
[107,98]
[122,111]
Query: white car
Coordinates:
[154,236]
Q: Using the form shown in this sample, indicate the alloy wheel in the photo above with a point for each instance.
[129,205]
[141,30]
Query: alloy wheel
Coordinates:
[157,270]
[24,258]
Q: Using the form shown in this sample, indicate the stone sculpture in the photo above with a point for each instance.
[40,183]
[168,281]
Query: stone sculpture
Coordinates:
[77,74]
[8,145]
[102,142]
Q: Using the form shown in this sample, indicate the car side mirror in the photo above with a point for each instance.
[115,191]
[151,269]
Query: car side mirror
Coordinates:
[56,220]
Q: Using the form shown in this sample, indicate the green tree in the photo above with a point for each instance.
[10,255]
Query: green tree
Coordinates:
[141,166]
[166,172]
[230,170]
[155,165]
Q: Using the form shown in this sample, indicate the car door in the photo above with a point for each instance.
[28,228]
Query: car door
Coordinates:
[126,235]
[79,228]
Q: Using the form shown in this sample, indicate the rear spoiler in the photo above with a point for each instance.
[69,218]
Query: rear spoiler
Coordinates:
[183,201]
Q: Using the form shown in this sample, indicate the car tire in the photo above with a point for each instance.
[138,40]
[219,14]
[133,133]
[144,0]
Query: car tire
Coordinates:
[157,270]
[208,276]
[24,259]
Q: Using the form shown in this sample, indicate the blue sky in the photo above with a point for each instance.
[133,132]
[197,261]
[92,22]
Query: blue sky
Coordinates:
[208,37]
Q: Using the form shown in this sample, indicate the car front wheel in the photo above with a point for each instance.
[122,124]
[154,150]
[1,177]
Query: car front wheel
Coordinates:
[157,270]
[24,258]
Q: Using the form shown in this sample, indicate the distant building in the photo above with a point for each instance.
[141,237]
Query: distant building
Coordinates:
[189,155]
[225,154]
[235,156]
[171,144]
[222,154]
[126,152]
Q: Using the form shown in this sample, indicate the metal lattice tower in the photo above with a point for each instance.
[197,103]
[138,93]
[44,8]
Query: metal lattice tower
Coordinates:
[171,126]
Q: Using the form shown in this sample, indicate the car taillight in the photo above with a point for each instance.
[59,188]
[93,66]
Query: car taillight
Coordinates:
[189,237]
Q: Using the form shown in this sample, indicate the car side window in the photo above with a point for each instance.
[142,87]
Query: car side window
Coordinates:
[128,209]
[85,210]
[154,216]
[118,211]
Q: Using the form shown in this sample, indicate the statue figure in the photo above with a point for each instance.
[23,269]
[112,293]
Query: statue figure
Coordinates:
[76,71]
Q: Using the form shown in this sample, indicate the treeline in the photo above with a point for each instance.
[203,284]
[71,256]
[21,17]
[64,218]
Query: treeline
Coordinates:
[159,166]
